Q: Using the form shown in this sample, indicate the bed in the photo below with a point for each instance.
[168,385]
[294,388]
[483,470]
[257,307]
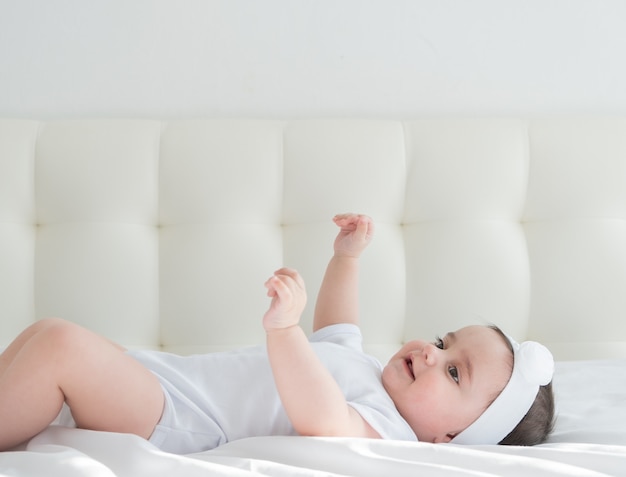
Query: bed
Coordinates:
[160,234]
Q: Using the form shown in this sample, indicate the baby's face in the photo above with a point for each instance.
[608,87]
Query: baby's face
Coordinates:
[441,388]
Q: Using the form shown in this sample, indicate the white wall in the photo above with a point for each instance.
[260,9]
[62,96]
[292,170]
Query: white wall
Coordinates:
[283,58]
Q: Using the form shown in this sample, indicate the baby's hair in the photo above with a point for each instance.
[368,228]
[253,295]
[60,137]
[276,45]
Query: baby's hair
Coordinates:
[538,422]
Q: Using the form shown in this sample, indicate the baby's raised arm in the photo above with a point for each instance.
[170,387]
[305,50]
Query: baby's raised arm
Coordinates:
[310,395]
[338,298]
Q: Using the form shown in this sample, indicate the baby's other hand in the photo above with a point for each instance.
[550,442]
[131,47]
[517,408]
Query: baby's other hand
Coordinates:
[356,233]
[288,293]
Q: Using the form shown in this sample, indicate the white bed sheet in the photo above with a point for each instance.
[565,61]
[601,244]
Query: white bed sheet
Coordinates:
[589,440]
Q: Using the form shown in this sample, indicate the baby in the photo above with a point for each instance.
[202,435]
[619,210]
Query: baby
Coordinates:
[473,386]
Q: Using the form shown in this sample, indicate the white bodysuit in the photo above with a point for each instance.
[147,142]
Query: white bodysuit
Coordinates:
[215,398]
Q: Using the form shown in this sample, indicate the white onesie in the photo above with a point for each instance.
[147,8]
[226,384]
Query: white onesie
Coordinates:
[215,398]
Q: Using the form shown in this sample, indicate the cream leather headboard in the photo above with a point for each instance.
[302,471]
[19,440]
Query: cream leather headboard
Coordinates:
[161,234]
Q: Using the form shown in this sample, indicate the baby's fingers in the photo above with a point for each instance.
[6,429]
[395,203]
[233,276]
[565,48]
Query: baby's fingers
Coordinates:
[289,273]
[346,221]
[365,227]
[287,285]
[271,291]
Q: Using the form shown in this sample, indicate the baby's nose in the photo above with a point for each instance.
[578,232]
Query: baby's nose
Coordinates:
[431,354]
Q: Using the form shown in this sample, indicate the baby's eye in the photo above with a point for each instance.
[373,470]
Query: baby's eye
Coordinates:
[454,373]
[439,342]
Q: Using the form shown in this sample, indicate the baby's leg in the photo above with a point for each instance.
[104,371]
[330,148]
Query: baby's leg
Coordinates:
[7,356]
[59,361]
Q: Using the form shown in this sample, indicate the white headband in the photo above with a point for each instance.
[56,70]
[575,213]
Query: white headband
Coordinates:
[533,366]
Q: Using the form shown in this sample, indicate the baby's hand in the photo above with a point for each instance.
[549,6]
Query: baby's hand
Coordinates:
[286,287]
[356,233]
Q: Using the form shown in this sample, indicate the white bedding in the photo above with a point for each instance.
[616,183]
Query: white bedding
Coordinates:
[589,440]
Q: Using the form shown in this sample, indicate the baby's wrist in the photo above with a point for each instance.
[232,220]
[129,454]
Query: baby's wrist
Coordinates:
[339,255]
[281,330]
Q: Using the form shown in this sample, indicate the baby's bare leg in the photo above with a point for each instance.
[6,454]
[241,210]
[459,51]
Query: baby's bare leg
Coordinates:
[59,361]
[9,353]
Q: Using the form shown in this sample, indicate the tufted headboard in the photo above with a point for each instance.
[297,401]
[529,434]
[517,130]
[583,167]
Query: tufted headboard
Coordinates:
[161,233]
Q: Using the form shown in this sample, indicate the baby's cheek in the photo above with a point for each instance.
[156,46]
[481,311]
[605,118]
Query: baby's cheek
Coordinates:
[389,376]
[430,390]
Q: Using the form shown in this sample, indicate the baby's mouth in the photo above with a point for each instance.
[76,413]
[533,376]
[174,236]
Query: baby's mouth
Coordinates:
[409,364]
